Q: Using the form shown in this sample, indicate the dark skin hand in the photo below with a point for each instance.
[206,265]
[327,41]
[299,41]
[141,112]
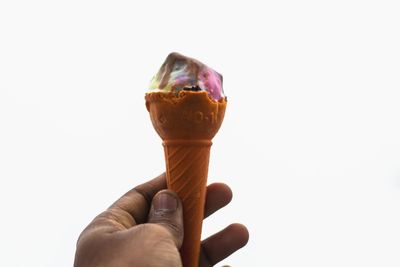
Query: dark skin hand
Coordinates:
[145,228]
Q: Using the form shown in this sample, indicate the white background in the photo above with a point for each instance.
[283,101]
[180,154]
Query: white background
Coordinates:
[310,144]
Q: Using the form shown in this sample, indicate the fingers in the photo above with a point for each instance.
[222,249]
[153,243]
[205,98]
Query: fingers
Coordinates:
[137,201]
[166,211]
[218,196]
[219,246]
[133,207]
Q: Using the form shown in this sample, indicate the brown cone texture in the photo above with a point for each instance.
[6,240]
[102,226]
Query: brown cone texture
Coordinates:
[187,169]
[187,123]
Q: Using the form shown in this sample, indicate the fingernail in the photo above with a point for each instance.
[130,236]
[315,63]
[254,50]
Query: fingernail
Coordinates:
[165,202]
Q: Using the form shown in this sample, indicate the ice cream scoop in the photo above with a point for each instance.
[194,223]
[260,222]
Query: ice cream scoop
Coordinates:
[179,73]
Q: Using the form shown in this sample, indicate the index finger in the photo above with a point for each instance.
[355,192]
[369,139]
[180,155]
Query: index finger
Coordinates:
[131,209]
[137,202]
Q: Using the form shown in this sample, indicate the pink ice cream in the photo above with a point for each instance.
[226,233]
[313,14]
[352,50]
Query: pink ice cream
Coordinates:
[183,73]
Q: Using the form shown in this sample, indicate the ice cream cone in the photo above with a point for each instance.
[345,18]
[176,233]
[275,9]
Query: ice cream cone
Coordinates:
[187,122]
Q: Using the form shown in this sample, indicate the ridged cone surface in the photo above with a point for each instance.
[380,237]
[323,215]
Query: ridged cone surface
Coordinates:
[187,123]
[187,169]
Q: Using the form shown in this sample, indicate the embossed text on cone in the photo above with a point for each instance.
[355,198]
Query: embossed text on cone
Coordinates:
[187,122]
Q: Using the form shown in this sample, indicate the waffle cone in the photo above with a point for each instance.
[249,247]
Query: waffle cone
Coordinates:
[187,169]
[187,123]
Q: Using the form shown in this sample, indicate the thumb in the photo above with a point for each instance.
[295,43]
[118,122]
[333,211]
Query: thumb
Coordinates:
[166,211]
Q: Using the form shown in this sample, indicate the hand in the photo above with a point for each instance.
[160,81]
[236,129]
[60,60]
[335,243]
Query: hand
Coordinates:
[145,228]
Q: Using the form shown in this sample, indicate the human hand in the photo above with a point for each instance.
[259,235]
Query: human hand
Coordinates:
[145,228]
